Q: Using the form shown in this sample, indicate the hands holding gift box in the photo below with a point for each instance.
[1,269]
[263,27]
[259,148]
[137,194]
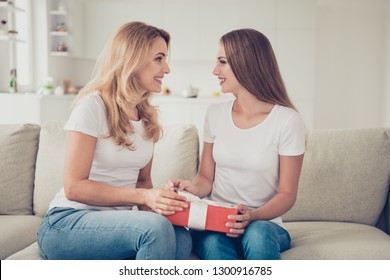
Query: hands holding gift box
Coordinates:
[163,201]
[203,214]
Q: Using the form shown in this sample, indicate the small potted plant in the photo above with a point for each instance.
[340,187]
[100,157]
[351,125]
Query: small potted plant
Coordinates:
[46,86]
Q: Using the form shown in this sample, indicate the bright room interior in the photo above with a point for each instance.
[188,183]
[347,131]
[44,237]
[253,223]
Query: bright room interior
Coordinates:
[334,55]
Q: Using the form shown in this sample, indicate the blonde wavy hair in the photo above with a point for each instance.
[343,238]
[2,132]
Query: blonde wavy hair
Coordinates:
[115,79]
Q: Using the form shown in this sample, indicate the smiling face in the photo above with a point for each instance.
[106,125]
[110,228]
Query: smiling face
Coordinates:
[222,70]
[151,75]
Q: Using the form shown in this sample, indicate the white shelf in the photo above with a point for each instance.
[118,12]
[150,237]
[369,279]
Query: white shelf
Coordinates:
[56,12]
[59,53]
[10,7]
[10,38]
[59,33]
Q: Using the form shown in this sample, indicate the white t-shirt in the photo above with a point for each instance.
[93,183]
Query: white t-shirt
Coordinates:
[247,160]
[112,164]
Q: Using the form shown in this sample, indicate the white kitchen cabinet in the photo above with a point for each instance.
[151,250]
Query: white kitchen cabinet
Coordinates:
[33,108]
[177,109]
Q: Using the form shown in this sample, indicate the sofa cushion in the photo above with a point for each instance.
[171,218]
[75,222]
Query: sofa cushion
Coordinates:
[50,165]
[29,253]
[18,150]
[176,154]
[336,241]
[345,177]
[17,232]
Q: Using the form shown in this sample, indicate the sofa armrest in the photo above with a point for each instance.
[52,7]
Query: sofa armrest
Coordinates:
[384,219]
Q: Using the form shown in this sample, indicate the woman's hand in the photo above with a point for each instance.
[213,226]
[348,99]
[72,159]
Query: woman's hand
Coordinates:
[240,221]
[176,184]
[164,201]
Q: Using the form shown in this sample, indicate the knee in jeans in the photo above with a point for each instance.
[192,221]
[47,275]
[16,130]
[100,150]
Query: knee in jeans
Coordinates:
[261,229]
[261,241]
[208,241]
[162,227]
[260,235]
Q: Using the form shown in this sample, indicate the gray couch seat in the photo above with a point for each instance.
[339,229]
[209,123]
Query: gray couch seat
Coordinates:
[342,210]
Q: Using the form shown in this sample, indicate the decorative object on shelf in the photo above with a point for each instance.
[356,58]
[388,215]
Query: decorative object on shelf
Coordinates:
[46,86]
[13,81]
[74,89]
[61,6]
[66,83]
[190,91]
[12,33]
[165,90]
[59,90]
[62,47]
[3,27]
[61,27]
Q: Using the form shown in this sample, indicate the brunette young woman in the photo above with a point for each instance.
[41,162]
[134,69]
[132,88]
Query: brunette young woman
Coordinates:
[252,153]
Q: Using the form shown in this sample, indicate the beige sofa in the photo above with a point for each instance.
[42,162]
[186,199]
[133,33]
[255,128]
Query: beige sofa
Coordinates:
[342,210]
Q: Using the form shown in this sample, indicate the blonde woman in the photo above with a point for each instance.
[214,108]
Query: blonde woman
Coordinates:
[111,133]
[252,153]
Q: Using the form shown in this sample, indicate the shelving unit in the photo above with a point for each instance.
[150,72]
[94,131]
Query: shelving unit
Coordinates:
[10,10]
[59,28]
[7,13]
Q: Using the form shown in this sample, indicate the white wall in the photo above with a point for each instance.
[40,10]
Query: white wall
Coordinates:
[295,47]
[196,27]
[350,63]
[333,54]
[40,46]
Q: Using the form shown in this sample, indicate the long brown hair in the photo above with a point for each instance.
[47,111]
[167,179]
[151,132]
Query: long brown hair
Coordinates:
[253,62]
[123,56]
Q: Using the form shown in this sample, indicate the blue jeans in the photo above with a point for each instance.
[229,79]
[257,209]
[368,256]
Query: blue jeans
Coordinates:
[262,240]
[67,233]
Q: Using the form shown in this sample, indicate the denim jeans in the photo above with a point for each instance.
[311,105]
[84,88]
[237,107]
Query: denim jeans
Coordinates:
[67,233]
[262,240]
